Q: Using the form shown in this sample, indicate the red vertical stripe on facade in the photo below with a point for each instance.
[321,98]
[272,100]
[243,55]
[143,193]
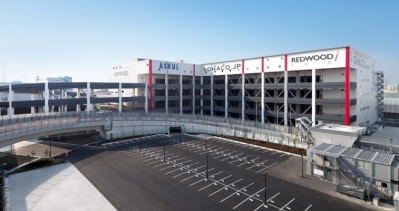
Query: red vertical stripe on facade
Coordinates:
[242,65]
[150,84]
[263,64]
[285,62]
[193,69]
[347,88]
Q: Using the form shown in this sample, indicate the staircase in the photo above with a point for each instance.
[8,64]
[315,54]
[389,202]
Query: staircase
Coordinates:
[349,175]
[304,125]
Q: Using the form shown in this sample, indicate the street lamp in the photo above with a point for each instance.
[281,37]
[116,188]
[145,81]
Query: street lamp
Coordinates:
[290,119]
[164,147]
[249,153]
[207,156]
[256,107]
[205,145]
[277,115]
[265,188]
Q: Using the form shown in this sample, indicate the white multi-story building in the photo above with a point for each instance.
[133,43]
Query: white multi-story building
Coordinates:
[336,85]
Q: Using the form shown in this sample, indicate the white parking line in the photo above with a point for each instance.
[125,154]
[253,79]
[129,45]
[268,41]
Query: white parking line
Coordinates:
[236,192]
[258,164]
[225,187]
[275,152]
[196,175]
[308,208]
[287,204]
[224,154]
[181,169]
[267,167]
[249,198]
[283,155]
[239,159]
[174,165]
[162,160]
[189,171]
[231,157]
[214,183]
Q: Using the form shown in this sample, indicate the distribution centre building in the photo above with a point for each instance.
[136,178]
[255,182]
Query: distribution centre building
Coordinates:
[337,85]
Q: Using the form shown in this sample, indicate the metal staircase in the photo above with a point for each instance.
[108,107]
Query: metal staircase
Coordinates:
[349,175]
[304,125]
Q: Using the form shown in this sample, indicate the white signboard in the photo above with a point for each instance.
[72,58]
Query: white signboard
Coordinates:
[318,172]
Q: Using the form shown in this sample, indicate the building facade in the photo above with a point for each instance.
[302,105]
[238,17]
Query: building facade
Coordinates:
[337,85]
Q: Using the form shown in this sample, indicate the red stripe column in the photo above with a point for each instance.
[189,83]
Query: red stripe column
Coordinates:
[242,65]
[347,88]
[263,64]
[285,62]
[150,83]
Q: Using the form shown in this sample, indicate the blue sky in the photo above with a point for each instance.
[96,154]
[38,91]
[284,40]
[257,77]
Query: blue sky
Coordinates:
[55,37]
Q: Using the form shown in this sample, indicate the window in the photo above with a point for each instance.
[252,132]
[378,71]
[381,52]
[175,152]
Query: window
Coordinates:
[363,164]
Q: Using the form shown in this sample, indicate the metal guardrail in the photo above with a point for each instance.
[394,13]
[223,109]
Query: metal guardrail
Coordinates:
[214,125]
[17,119]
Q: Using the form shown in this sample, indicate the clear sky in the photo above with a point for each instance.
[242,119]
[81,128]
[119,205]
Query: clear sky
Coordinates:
[57,37]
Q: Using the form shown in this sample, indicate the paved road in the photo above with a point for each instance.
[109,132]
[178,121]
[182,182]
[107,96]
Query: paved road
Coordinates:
[140,180]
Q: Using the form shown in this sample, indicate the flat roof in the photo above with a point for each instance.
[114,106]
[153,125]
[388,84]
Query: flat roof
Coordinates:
[363,154]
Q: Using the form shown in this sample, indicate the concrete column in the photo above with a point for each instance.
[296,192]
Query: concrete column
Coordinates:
[263,98]
[53,98]
[167,92]
[120,97]
[78,97]
[314,96]
[92,96]
[88,94]
[146,98]
[211,93]
[194,94]
[226,94]
[32,108]
[202,93]
[65,97]
[61,96]
[46,97]
[285,98]
[181,94]
[243,97]
[10,99]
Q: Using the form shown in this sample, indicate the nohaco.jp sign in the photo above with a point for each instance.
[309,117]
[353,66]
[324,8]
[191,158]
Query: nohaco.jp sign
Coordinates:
[223,67]
[122,73]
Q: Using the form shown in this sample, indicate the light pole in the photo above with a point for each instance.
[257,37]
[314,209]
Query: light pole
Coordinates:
[164,147]
[277,115]
[207,156]
[249,153]
[256,116]
[265,187]
[205,145]
[140,145]
[290,120]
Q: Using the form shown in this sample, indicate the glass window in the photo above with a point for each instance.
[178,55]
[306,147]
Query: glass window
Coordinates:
[366,165]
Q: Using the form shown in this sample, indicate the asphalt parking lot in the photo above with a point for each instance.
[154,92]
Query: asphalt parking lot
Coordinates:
[170,173]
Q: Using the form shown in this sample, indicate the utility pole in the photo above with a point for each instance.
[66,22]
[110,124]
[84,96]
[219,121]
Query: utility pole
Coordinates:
[140,145]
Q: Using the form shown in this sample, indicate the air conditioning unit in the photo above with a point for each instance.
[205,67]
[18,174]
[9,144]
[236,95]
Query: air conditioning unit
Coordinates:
[378,183]
[327,163]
